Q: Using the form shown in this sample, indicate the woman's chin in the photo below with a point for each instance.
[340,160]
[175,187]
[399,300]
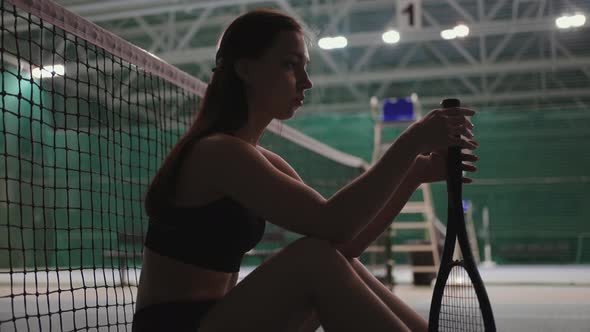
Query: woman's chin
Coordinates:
[284,117]
[288,114]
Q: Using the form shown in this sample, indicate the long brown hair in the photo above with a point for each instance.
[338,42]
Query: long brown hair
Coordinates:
[224,107]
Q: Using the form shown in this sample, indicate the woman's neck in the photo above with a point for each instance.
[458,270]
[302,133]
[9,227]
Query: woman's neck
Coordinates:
[253,130]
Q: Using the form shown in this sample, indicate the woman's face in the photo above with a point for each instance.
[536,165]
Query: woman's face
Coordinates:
[277,80]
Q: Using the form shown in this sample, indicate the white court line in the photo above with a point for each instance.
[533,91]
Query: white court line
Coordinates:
[508,275]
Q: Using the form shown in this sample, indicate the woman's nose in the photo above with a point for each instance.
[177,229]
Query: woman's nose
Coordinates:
[306,83]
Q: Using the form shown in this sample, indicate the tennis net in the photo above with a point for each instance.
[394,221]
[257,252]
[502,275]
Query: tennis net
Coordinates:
[86,120]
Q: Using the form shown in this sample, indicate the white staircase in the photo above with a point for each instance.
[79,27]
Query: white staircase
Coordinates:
[423,237]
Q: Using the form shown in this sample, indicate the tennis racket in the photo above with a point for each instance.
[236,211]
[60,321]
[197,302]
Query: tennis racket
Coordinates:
[459,301]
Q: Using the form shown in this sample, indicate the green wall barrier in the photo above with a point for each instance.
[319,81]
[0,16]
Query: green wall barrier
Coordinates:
[533,176]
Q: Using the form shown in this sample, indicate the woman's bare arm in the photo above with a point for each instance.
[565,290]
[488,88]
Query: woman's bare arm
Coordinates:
[356,246]
[378,225]
[236,168]
[241,171]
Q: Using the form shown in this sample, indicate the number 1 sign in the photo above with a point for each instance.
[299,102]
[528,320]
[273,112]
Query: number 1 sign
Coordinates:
[409,14]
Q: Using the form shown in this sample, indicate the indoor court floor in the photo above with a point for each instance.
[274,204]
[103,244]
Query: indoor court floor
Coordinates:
[524,298]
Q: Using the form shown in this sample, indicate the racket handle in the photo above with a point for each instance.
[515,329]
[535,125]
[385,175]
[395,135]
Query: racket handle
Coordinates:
[450,102]
[454,172]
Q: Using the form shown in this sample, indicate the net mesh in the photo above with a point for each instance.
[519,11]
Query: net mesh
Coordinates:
[460,309]
[78,146]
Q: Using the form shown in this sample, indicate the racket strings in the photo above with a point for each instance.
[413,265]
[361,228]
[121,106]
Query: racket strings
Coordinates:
[460,310]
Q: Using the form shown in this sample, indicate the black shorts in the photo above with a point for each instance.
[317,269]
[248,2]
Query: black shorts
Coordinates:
[178,316]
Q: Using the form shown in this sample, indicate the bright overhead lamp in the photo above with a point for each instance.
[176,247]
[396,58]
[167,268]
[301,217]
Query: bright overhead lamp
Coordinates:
[459,31]
[570,21]
[448,34]
[390,37]
[330,43]
[48,71]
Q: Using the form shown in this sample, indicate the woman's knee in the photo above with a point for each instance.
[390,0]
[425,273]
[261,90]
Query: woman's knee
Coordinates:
[312,250]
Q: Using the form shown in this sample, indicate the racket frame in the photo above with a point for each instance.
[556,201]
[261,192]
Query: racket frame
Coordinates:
[457,232]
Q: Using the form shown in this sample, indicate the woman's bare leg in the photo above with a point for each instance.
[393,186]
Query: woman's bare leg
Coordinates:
[307,275]
[408,315]
[310,322]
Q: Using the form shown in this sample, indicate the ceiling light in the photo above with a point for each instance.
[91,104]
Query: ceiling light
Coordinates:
[329,43]
[461,30]
[570,21]
[448,34]
[390,37]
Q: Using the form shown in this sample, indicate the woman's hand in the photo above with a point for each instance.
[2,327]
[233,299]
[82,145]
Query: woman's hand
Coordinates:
[433,135]
[432,167]
[442,128]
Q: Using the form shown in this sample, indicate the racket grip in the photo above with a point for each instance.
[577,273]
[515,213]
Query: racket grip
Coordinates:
[450,102]
[454,172]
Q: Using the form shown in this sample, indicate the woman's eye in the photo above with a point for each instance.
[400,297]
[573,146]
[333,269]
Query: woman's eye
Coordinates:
[290,64]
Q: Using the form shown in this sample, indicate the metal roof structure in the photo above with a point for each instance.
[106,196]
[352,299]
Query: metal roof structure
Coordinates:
[513,55]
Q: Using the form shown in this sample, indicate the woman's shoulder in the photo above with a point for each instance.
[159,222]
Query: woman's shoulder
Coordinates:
[278,162]
[220,142]
[199,171]
[269,155]
[218,149]
[224,143]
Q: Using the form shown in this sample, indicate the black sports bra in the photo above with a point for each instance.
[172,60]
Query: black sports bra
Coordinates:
[214,236]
